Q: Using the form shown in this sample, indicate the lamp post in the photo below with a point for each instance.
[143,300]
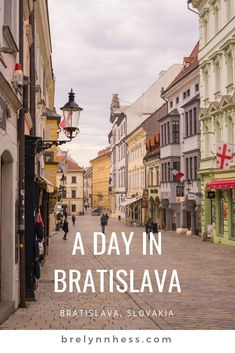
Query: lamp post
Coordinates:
[33,145]
[69,124]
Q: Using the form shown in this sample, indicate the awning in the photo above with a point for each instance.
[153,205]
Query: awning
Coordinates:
[130,201]
[47,185]
[221,184]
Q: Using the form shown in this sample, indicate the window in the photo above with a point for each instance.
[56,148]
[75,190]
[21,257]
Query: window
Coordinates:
[216,17]
[195,167]
[187,171]
[229,68]
[157,177]
[176,166]
[184,95]
[175,132]
[73,194]
[217,76]
[168,132]
[73,208]
[220,213]
[179,190]
[186,124]
[164,134]
[188,93]
[161,136]
[190,123]
[195,120]
[229,9]
[48,157]
[171,104]
[197,87]
[190,168]
[168,171]
[74,180]
[177,100]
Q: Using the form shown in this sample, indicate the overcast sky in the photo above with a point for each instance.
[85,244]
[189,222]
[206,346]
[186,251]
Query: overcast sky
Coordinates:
[102,47]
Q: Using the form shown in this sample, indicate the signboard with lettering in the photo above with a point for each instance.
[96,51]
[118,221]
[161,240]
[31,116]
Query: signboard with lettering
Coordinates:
[2,114]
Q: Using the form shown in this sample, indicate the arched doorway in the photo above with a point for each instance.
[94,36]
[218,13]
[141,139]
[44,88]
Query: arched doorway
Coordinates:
[7,227]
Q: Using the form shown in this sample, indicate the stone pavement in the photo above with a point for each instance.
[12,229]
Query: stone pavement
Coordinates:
[206,272]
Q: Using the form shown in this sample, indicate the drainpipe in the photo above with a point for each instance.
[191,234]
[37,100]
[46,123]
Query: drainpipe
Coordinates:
[21,141]
[189,8]
[32,72]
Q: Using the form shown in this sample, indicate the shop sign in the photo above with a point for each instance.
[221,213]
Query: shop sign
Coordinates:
[2,114]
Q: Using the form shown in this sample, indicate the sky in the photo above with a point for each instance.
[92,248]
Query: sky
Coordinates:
[101,47]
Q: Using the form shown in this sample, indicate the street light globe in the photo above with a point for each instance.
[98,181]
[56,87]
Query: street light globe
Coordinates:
[71,116]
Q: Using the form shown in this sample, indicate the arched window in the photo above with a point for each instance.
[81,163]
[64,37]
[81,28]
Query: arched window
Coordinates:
[230,130]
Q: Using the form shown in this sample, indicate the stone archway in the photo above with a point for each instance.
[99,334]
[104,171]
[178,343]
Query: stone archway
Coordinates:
[7,227]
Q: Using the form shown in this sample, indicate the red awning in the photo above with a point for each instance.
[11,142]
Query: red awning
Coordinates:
[221,184]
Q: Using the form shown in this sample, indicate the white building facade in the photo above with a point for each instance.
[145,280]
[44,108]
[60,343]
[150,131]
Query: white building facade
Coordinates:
[180,150]
[217,116]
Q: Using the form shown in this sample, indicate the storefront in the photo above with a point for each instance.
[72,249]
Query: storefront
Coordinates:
[223,204]
[133,211]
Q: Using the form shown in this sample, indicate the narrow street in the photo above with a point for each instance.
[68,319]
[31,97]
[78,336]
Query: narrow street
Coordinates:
[206,272]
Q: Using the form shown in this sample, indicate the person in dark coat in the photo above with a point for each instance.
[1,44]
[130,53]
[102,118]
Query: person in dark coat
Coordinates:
[106,218]
[73,219]
[149,227]
[65,228]
[103,222]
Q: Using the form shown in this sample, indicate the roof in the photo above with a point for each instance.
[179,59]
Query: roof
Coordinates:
[72,165]
[88,172]
[174,112]
[190,63]
[105,152]
[155,152]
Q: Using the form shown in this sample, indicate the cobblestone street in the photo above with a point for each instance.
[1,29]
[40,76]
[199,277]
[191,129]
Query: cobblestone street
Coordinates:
[206,272]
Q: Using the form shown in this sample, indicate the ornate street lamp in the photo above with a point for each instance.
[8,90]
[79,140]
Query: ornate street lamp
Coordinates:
[68,124]
[71,117]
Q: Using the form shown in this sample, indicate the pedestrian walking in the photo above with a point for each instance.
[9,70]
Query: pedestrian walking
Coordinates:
[106,218]
[103,222]
[149,227]
[65,228]
[73,219]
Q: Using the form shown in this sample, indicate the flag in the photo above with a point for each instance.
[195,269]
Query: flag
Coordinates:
[178,174]
[224,155]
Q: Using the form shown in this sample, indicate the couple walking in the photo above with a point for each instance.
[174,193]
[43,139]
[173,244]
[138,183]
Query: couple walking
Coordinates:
[104,221]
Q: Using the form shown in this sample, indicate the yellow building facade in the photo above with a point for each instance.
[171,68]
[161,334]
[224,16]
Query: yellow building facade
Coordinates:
[100,180]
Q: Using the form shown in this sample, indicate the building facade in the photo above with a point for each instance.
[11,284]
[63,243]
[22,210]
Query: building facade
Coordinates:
[152,167]
[101,180]
[180,150]
[72,181]
[118,165]
[217,117]
[10,103]
[87,186]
